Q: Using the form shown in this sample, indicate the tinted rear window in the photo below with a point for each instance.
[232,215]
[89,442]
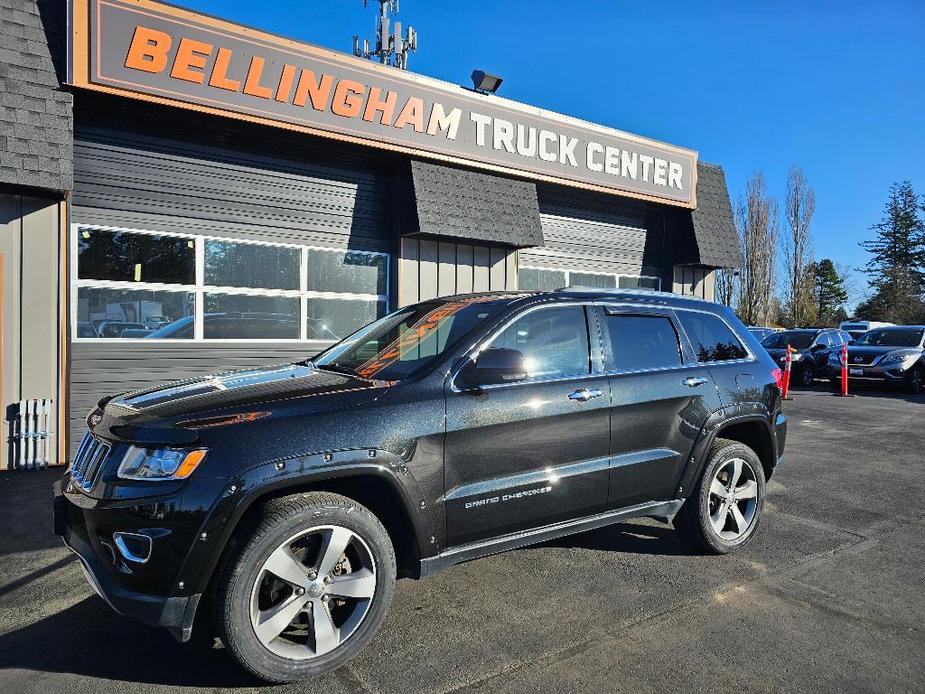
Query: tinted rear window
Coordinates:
[643,342]
[710,337]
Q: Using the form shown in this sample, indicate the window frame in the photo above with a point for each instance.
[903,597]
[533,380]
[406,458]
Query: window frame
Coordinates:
[616,275]
[594,346]
[689,344]
[199,289]
[609,310]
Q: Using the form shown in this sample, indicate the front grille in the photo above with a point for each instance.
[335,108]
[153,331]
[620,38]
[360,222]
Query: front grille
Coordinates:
[865,360]
[89,461]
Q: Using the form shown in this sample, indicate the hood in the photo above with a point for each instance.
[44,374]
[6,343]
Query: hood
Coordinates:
[175,412]
[866,354]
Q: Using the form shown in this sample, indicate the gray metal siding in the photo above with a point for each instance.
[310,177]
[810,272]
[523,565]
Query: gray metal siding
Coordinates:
[106,369]
[598,233]
[224,179]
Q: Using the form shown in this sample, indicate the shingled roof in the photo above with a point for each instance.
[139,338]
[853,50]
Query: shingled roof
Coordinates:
[467,204]
[714,226]
[36,123]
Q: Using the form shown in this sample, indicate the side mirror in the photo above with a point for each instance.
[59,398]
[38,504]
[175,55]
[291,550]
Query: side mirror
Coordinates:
[493,366]
[817,348]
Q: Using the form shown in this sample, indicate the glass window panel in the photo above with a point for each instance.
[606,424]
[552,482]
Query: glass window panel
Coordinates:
[627,282]
[711,337]
[233,316]
[643,342]
[534,279]
[115,313]
[347,271]
[129,257]
[554,341]
[591,279]
[335,319]
[230,264]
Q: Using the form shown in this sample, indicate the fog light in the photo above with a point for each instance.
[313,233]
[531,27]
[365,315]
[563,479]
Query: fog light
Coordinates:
[133,547]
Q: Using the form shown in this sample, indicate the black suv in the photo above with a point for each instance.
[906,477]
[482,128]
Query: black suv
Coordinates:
[810,349]
[283,502]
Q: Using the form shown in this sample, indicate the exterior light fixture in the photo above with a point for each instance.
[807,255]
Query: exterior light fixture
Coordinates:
[484,83]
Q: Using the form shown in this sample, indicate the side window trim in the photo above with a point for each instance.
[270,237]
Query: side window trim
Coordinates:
[607,310]
[594,345]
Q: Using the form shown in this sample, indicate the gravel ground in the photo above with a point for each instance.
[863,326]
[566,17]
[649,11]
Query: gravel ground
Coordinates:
[827,598]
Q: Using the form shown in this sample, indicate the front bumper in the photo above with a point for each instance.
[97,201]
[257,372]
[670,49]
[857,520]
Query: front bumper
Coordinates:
[873,374]
[174,613]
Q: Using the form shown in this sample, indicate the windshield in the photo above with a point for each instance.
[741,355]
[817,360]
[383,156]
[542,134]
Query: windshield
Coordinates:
[796,339]
[891,338]
[409,340]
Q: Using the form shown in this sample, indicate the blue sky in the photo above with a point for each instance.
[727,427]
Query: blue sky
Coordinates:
[837,87]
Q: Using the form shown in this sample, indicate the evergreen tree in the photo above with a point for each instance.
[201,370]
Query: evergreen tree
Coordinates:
[897,264]
[830,291]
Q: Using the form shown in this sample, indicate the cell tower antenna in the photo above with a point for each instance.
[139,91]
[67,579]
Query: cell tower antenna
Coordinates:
[391,47]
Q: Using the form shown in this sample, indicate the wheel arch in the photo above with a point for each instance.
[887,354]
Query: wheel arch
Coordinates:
[382,490]
[753,429]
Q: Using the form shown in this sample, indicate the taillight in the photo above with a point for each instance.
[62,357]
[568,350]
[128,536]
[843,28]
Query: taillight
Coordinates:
[778,377]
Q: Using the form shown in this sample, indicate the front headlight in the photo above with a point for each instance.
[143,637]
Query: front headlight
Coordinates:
[159,463]
[796,356]
[904,359]
[835,357]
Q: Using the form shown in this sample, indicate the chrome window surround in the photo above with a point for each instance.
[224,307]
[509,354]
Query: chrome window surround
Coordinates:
[686,364]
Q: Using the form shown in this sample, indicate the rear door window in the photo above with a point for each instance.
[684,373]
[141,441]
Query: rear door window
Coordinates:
[640,343]
[710,337]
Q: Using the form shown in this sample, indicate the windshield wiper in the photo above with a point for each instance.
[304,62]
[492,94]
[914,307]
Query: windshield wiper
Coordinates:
[337,368]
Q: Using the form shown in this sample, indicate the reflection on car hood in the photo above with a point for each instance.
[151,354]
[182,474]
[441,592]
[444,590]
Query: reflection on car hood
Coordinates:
[875,350]
[239,388]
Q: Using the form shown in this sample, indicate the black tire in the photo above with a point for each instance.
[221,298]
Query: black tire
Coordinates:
[281,520]
[915,379]
[807,376]
[693,520]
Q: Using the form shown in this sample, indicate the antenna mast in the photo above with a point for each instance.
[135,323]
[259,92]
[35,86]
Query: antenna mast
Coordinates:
[391,48]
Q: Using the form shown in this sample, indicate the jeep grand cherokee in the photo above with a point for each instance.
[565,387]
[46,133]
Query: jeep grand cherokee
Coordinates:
[285,501]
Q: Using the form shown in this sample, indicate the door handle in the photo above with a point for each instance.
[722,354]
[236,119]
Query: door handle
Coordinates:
[584,394]
[694,381]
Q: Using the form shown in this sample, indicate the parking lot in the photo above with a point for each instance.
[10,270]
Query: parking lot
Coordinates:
[827,598]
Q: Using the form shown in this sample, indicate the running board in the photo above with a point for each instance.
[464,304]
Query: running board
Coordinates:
[474,550]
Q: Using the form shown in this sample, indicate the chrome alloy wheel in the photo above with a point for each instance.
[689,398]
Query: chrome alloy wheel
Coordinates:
[733,499]
[312,592]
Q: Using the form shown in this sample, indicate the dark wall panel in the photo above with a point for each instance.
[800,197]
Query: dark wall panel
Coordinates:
[161,169]
[594,232]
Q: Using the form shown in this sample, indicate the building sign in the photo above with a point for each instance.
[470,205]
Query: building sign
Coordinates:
[148,50]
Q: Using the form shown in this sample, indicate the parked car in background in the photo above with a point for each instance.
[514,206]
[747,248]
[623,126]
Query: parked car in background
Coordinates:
[760,332]
[85,329]
[892,355]
[283,502]
[810,350]
[115,328]
[856,328]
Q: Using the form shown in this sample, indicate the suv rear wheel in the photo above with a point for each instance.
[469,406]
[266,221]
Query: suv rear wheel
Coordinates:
[724,509]
[307,589]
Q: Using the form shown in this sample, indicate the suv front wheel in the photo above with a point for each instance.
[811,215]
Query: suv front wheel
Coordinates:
[724,509]
[307,588]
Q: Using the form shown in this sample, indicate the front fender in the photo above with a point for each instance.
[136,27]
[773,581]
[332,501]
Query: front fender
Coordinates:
[255,483]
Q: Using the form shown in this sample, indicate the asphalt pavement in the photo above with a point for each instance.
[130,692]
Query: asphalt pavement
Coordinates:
[827,598]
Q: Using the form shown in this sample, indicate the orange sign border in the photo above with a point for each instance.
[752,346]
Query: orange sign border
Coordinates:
[79,76]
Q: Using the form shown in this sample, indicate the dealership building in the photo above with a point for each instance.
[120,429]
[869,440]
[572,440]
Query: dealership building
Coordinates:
[181,195]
